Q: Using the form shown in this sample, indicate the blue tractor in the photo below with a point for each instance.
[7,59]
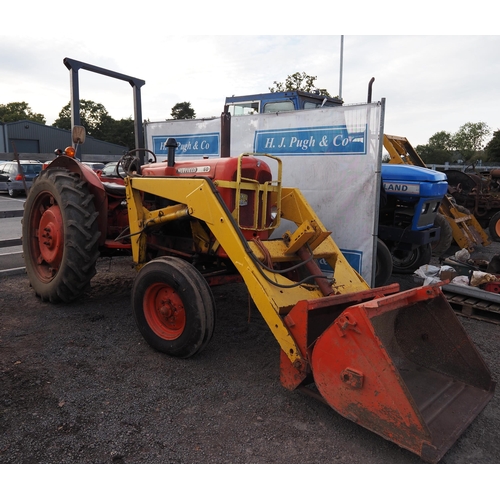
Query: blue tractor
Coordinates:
[409,218]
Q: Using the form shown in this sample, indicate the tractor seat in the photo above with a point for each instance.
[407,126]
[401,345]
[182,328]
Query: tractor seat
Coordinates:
[114,189]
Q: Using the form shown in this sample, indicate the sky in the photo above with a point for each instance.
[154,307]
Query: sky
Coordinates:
[202,53]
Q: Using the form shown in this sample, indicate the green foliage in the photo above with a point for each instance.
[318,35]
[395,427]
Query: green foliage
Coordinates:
[99,124]
[465,145]
[93,116]
[183,111]
[492,149]
[434,156]
[469,140]
[16,111]
[441,140]
[298,81]
[121,132]
[439,149]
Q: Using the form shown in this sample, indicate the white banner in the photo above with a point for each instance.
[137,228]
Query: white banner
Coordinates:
[331,154]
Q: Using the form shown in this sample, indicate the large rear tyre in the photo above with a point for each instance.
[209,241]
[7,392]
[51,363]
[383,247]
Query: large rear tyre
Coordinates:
[494,227]
[440,246]
[60,235]
[383,264]
[173,307]
[408,261]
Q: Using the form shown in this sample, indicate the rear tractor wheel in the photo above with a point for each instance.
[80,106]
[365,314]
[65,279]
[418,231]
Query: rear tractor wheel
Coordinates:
[173,307]
[60,236]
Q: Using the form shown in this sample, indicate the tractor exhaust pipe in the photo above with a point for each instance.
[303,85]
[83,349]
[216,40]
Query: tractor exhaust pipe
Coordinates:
[171,145]
[370,85]
[225,125]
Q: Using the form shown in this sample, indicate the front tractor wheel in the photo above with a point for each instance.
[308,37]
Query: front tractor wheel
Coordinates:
[60,236]
[408,261]
[173,307]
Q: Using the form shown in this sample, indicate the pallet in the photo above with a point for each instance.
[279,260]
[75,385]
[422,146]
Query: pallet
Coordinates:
[474,304]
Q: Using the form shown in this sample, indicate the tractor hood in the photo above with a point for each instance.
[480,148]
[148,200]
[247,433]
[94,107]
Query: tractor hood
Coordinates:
[410,173]
[411,181]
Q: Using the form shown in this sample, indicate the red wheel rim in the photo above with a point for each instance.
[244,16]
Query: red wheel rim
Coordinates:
[164,311]
[46,228]
[51,236]
[497,227]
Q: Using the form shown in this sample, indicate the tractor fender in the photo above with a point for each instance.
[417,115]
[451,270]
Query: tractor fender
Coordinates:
[95,185]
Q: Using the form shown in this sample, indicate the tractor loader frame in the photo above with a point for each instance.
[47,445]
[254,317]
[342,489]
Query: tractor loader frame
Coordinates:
[397,363]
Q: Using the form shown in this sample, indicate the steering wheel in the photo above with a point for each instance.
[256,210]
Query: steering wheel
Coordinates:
[131,163]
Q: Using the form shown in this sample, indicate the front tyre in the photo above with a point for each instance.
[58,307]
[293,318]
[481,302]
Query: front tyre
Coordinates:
[440,246]
[383,270]
[408,261]
[60,235]
[173,307]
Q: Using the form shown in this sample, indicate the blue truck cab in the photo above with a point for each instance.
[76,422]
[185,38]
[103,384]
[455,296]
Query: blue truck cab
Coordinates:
[278,102]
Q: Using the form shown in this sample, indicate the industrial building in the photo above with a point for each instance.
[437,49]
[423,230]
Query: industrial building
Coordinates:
[35,141]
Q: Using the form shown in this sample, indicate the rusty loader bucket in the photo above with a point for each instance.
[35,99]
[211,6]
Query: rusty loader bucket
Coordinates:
[400,365]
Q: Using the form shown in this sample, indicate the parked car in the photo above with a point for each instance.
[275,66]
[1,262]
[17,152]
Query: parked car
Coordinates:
[110,170]
[96,167]
[14,180]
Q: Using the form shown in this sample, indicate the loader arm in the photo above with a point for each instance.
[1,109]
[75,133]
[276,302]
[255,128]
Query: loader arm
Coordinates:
[200,199]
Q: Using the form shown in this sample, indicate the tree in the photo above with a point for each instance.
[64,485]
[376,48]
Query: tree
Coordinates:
[183,111]
[441,140]
[434,156]
[120,132]
[298,81]
[492,149]
[466,144]
[93,116]
[15,111]
[469,139]
[439,149]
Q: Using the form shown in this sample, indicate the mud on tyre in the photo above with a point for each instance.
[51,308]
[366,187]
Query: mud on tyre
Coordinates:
[60,235]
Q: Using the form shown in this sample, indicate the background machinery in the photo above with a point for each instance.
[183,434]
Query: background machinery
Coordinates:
[455,221]
[479,194]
